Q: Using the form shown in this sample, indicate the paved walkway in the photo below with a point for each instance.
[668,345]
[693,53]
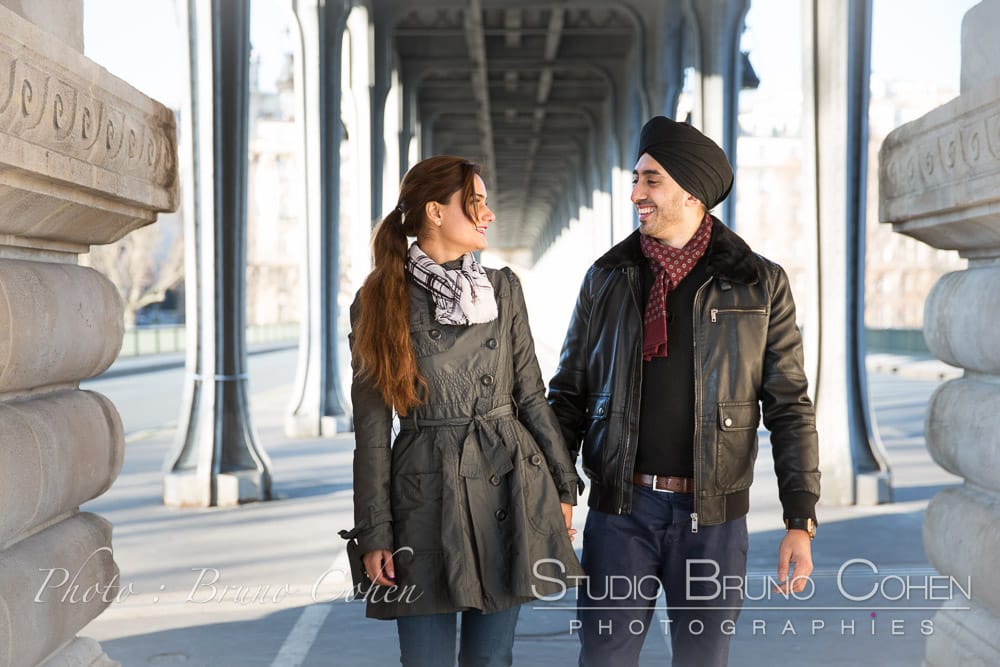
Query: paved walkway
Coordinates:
[263,584]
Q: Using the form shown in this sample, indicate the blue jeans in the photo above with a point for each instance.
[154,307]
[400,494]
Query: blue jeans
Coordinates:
[429,640]
[639,553]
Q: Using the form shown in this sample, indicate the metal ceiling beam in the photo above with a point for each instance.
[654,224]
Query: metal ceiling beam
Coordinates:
[449,84]
[515,33]
[466,108]
[557,19]
[476,42]
[512,28]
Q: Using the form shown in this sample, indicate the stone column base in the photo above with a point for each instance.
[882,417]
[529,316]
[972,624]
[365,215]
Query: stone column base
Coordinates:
[965,637]
[187,489]
[81,652]
[309,426]
[872,488]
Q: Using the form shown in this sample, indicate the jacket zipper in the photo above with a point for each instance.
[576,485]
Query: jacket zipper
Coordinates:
[715,311]
[699,463]
[630,275]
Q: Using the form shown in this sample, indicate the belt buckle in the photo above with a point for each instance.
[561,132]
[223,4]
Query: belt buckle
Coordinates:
[658,490]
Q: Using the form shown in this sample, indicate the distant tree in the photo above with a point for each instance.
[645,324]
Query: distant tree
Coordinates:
[144,265]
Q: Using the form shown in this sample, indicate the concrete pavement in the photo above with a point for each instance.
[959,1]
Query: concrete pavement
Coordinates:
[263,584]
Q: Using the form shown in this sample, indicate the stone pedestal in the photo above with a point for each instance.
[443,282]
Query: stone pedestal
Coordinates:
[84,159]
[939,180]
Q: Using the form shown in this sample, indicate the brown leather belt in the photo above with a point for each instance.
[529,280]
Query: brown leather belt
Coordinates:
[664,483]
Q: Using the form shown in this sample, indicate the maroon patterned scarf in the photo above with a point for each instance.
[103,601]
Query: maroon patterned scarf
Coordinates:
[670,266]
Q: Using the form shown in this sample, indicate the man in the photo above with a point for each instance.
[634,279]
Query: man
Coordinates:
[680,334]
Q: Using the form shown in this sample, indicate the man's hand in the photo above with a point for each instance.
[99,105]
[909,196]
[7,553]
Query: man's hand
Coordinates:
[795,549]
[378,566]
[567,511]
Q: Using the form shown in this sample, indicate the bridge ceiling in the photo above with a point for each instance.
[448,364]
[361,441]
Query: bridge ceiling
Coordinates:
[526,88]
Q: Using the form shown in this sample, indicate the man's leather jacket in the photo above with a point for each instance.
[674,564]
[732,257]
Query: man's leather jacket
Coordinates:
[748,355]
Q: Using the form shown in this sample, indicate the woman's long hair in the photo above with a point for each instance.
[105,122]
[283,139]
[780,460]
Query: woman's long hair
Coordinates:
[382,349]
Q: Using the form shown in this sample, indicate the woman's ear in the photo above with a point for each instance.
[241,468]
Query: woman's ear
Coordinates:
[432,210]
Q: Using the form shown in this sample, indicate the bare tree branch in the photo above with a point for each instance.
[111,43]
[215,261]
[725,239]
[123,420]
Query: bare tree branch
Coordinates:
[144,265]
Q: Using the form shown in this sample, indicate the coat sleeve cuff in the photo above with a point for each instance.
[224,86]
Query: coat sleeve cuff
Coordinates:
[568,484]
[375,538]
[799,505]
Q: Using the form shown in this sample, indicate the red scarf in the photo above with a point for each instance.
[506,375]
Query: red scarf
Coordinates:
[670,266]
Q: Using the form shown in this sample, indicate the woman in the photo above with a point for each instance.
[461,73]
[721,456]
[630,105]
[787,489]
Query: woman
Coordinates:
[462,512]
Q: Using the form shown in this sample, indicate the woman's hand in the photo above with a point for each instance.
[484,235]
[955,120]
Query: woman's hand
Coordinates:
[379,568]
[567,511]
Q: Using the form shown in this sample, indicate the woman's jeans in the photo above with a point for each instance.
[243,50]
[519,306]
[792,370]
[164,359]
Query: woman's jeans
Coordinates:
[429,640]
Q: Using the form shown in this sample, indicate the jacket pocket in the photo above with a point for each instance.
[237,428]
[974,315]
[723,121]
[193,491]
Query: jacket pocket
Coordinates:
[416,510]
[541,500]
[598,406]
[595,433]
[736,444]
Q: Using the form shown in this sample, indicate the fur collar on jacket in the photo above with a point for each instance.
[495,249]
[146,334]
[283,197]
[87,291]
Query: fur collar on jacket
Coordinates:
[729,257]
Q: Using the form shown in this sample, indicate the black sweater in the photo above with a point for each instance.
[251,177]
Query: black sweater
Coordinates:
[666,413]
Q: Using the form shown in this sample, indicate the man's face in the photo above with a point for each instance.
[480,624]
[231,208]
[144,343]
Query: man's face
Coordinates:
[657,197]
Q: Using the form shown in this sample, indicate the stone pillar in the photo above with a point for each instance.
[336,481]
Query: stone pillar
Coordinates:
[317,406]
[836,46]
[357,114]
[216,460]
[939,182]
[382,26]
[718,25]
[84,159]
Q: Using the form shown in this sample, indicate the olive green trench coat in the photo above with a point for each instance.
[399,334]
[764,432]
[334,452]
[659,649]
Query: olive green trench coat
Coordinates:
[467,494]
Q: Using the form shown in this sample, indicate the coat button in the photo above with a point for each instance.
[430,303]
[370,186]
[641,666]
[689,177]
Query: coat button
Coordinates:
[495,480]
[434,333]
[728,421]
[536,459]
[501,515]
[600,411]
[492,343]
[487,380]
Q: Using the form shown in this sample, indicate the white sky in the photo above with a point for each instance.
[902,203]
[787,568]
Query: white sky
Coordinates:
[141,42]
[911,40]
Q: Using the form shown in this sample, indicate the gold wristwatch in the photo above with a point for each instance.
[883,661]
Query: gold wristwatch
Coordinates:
[807,525]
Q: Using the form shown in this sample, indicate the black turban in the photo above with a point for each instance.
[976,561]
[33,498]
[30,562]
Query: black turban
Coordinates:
[692,159]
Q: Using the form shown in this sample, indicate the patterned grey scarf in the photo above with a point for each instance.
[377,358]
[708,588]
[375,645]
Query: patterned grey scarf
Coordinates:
[461,296]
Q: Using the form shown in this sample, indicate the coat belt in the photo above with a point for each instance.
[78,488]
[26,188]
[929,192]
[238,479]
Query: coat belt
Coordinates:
[482,449]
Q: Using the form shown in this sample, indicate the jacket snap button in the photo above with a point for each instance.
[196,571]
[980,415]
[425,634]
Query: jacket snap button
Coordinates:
[501,515]
[600,410]
[728,421]
[434,333]
[492,343]
[494,480]
[487,380]
[536,459]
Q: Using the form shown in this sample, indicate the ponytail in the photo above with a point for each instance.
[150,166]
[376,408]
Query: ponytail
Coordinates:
[382,348]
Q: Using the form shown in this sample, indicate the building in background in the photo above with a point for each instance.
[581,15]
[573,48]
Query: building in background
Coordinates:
[274,230]
[899,271]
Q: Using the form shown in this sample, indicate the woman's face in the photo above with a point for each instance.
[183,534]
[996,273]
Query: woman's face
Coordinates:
[458,234]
